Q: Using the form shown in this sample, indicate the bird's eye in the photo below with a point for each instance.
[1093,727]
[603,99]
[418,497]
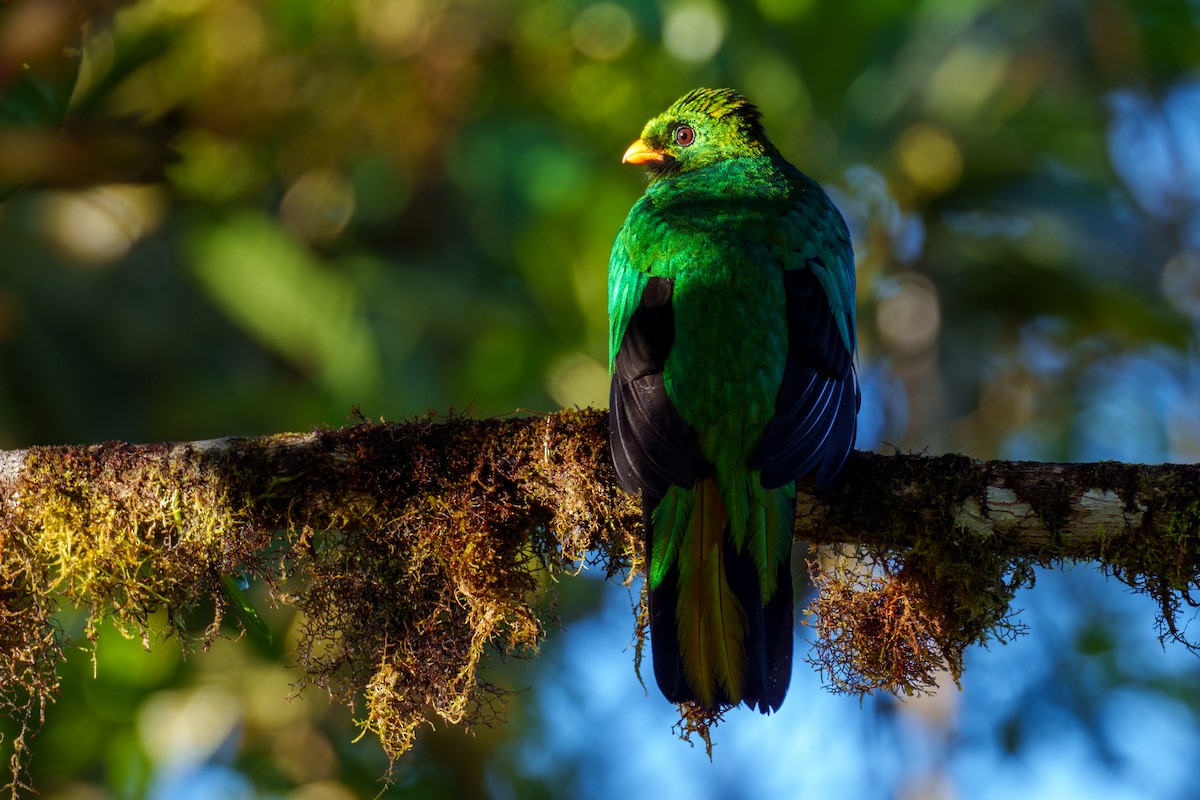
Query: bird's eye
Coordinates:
[684,135]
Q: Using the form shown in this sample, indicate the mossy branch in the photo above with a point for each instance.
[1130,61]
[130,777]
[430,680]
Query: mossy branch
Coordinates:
[411,548]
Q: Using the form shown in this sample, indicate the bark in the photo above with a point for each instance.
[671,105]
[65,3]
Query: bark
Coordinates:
[1040,510]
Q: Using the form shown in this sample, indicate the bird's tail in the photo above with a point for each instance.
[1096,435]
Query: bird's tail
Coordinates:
[716,640]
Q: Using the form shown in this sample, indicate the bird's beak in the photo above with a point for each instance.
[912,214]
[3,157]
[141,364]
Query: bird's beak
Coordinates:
[641,153]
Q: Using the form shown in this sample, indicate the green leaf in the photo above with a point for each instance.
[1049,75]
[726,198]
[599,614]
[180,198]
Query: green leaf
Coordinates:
[40,76]
[251,620]
[304,308]
[37,101]
[34,102]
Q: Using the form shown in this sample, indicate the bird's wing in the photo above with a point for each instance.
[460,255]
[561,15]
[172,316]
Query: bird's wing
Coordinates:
[815,420]
[653,447]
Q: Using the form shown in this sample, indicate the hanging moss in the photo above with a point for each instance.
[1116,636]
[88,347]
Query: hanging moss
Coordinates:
[946,542]
[413,549]
[897,613]
[1160,556]
[406,571]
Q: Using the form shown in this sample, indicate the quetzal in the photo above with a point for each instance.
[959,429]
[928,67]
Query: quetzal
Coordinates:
[732,352]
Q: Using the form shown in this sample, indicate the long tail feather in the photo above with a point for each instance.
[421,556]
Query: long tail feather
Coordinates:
[770,531]
[664,643]
[710,620]
[769,634]
[720,614]
[669,522]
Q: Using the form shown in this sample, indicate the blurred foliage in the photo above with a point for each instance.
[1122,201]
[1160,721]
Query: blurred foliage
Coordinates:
[244,216]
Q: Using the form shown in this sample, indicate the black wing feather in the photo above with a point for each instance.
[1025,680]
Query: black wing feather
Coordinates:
[817,407]
[652,446]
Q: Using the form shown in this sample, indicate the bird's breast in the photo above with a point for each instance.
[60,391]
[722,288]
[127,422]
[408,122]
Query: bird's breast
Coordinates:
[725,367]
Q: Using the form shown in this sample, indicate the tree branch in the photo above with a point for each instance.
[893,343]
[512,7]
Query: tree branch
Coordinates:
[438,528]
[1042,510]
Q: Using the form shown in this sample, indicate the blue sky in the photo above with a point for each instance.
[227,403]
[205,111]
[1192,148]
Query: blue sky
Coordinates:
[821,745]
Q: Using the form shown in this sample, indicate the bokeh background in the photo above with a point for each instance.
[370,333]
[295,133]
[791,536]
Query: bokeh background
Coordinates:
[241,217]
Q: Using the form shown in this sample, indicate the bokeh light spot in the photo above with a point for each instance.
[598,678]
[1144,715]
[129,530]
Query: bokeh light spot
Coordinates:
[602,31]
[393,28]
[100,225]
[930,157]
[908,314]
[693,32]
[318,205]
[304,754]
[965,79]
[187,727]
[777,87]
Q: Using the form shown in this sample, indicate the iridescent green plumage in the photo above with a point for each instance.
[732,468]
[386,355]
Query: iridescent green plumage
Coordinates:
[731,302]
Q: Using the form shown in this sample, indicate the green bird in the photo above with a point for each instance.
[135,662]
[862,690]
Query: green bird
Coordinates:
[732,354]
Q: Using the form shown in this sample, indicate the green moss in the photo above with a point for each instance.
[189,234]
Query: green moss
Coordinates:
[896,613]
[411,549]
[1160,556]
[414,549]
[905,604]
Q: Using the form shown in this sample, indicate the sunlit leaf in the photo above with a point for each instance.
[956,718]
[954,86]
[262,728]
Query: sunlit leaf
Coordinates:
[244,609]
[34,104]
[284,296]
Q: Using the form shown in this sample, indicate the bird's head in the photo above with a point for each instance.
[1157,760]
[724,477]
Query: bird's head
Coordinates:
[702,127]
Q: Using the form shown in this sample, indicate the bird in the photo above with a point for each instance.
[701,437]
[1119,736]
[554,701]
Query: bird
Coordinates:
[732,356]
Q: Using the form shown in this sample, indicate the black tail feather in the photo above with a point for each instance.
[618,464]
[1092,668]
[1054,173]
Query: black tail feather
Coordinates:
[664,642]
[768,640]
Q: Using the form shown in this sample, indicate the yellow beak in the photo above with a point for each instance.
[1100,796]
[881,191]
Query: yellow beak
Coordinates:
[641,153]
